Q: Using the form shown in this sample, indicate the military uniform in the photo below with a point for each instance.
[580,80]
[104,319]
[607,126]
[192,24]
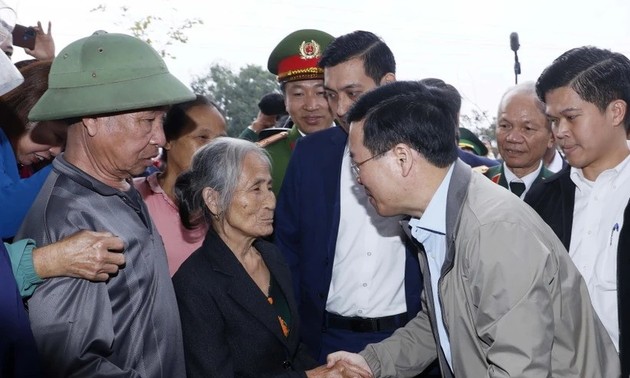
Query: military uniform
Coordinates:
[295,58]
[497,175]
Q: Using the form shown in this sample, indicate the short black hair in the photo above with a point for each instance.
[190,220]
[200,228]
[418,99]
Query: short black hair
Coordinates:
[175,118]
[412,113]
[272,104]
[598,76]
[378,58]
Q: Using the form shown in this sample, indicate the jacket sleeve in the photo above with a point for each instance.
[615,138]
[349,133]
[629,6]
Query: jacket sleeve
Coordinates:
[76,335]
[203,329]
[407,352]
[510,275]
[16,197]
[21,255]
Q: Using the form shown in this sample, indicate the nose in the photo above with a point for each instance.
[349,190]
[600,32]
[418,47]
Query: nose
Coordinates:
[560,129]
[514,136]
[270,202]
[343,107]
[311,102]
[158,138]
[54,151]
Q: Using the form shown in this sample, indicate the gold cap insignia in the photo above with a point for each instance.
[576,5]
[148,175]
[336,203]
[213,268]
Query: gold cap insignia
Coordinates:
[309,50]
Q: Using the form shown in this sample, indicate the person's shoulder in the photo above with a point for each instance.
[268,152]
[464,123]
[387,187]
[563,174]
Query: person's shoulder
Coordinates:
[272,137]
[493,173]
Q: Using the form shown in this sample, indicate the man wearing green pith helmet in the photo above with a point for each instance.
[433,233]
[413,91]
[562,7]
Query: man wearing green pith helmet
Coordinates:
[294,60]
[112,91]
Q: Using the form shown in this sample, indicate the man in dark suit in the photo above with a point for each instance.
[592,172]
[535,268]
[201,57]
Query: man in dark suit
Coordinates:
[523,136]
[350,290]
[586,92]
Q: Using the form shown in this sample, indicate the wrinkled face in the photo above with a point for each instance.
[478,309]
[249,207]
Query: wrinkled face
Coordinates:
[522,133]
[583,132]
[375,173]
[344,84]
[125,144]
[306,103]
[250,214]
[203,124]
[43,141]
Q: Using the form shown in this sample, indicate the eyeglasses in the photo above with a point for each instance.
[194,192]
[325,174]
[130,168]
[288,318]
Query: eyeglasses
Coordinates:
[356,167]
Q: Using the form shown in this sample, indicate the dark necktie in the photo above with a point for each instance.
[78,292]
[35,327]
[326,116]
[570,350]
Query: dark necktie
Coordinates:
[517,187]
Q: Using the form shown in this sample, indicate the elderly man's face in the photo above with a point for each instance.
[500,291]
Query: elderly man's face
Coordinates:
[523,135]
[125,144]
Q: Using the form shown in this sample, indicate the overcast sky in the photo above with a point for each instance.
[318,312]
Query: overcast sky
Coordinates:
[463,42]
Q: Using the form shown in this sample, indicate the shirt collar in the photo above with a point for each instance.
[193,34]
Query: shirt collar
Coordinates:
[434,217]
[528,179]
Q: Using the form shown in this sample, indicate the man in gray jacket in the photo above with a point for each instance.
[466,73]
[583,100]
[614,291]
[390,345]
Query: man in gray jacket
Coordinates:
[112,90]
[503,298]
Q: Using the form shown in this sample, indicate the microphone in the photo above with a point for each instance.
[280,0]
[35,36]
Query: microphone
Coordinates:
[514,45]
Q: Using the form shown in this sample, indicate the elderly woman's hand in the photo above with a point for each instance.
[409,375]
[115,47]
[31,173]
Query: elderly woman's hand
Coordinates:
[341,368]
[87,254]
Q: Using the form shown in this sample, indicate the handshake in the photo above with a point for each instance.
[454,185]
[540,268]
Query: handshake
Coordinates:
[342,365]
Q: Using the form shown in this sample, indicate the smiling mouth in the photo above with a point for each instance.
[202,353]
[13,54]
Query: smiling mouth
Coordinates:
[40,157]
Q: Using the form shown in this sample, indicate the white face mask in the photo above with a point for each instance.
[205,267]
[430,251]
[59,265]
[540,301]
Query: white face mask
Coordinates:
[10,77]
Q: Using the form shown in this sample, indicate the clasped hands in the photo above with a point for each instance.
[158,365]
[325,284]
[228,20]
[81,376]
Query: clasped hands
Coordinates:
[342,365]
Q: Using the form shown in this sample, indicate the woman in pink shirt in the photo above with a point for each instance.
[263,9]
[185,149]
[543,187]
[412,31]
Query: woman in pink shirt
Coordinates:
[187,127]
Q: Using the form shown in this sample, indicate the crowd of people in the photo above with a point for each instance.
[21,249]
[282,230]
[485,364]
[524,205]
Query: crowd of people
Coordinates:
[354,229]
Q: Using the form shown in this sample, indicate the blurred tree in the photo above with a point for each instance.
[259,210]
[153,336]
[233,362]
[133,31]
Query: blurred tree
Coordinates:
[154,29]
[237,94]
[484,127]
[479,123]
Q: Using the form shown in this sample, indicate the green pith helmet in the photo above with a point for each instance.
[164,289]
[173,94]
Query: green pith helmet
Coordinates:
[297,55]
[107,73]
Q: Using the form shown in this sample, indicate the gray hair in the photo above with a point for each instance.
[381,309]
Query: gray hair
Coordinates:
[217,165]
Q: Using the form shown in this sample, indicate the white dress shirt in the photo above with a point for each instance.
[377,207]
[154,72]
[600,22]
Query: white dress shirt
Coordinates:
[597,219]
[368,276]
[528,179]
[430,230]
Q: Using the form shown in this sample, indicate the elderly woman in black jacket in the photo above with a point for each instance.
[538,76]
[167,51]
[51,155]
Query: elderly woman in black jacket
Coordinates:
[235,296]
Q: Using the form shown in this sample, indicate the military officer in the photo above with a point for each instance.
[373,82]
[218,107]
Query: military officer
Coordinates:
[523,136]
[294,60]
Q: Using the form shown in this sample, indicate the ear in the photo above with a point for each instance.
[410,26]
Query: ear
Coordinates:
[167,146]
[211,199]
[91,125]
[389,77]
[404,158]
[618,109]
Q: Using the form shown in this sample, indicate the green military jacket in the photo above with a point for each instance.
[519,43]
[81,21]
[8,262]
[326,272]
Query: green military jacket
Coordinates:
[497,175]
[280,152]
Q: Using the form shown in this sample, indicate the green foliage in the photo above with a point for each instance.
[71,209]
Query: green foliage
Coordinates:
[237,94]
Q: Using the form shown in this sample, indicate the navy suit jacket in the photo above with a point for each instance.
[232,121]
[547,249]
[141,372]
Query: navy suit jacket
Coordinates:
[554,200]
[306,225]
[229,327]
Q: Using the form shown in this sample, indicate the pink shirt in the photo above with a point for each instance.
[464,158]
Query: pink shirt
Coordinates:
[179,241]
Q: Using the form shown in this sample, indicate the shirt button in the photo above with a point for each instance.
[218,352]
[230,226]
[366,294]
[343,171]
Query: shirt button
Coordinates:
[364,285]
[369,253]
[360,311]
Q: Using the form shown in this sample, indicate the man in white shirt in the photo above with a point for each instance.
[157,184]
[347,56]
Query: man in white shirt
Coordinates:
[587,91]
[355,280]
[523,137]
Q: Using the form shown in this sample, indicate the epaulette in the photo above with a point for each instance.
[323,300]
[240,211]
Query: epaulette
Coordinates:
[273,139]
[481,169]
